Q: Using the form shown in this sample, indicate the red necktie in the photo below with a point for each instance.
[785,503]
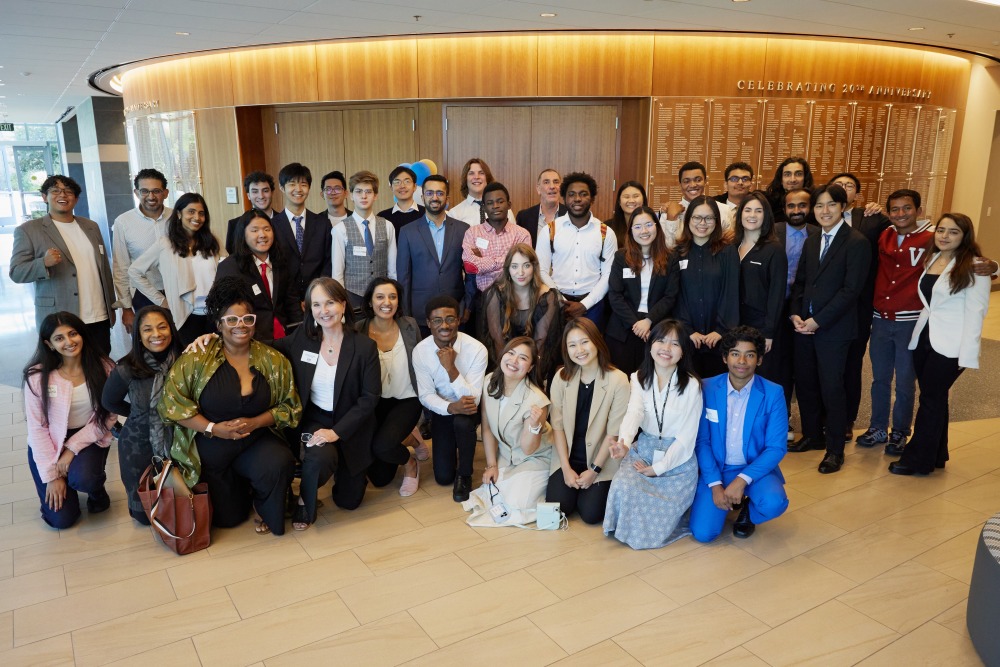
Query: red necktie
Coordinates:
[279,331]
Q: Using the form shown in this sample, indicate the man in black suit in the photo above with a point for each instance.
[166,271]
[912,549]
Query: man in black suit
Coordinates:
[828,282]
[548,207]
[429,254]
[870,222]
[259,187]
[304,236]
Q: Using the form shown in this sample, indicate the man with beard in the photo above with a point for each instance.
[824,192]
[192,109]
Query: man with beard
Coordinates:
[576,257]
[133,233]
[739,181]
[429,253]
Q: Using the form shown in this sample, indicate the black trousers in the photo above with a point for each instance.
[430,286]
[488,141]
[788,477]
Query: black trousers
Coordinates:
[394,419]
[100,334]
[454,439]
[242,473]
[708,361]
[590,502]
[928,448]
[854,365]
[783,357]
[194,326]
[322,462]
[819,385]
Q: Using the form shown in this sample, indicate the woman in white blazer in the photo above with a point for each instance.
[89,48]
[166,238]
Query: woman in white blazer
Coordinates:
[945,339]
[187,258]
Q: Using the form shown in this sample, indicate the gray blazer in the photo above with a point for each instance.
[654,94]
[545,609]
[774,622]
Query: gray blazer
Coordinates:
[56,287]
[410,332]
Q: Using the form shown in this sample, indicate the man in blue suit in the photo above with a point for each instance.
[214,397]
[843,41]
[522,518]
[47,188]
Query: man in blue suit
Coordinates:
[429,253]
[741,440]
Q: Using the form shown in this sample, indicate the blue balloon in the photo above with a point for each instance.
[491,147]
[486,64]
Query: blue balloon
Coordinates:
[421,170]
[406,164]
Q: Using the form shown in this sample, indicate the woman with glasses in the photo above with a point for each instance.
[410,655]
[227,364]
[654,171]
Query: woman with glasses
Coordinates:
[231,400]
[642,289]
[187,259]
[709,299]
[338,376]
[631,196]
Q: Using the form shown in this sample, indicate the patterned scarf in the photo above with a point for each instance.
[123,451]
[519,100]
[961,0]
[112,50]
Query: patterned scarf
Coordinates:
[160,435]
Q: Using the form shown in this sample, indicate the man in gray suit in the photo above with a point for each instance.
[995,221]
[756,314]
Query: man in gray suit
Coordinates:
[64,256]
[429,253]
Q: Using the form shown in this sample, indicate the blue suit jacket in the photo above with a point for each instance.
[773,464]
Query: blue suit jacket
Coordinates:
[765,430]
[417,266]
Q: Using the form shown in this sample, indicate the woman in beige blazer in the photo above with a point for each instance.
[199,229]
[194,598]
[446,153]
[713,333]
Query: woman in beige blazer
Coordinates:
[588,389]
[516,440]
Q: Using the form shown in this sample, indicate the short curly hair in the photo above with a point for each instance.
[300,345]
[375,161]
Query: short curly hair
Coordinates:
[578,177]
[742,334]
[226,292]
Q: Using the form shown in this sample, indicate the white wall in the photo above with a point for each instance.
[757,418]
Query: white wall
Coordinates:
[977,135]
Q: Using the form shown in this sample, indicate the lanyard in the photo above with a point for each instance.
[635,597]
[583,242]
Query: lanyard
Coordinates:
[661,414]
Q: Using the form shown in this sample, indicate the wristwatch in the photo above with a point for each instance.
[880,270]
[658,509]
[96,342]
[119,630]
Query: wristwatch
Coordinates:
[208,429]
[596,468]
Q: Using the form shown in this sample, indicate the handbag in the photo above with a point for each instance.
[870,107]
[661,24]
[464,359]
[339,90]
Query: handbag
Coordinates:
[181,517]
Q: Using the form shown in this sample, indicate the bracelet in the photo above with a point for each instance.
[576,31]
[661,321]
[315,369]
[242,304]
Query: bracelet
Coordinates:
[535,430]
[491,467]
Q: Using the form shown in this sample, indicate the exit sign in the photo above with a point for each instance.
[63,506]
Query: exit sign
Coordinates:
[6,127]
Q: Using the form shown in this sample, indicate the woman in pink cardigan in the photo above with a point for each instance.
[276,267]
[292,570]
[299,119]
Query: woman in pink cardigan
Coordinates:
[68,429]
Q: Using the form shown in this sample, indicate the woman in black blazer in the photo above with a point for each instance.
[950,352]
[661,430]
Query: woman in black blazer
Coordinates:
[256,255]
[337,376]
[398,408]
[763,275]
[642,289]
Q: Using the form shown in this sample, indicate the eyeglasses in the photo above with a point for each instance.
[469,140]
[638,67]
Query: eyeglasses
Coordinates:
[434,193]
[702,219]
[60,191]
[438,321]
[640,226]
[156,193]
[335,190]
[847,186]
[403,181]
[236,320]
[739,179]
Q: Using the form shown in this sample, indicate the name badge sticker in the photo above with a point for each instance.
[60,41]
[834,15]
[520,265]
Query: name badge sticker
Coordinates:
[482,243]
[256,290]
[712,415]
[309,357]
[757,263]
[101,248]
[628,273]
[53,391]
[360,251]
[683,264]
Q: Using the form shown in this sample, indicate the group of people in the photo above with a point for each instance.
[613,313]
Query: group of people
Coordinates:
[329,347]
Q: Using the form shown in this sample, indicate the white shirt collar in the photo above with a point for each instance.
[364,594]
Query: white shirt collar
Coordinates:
[257,261]
[163,214]
[291,216]
[833,232]
[396,209]
[359,219]
[731,389]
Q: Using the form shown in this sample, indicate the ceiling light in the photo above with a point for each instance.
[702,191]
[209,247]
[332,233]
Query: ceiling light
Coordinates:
[995,3]
[182,34]
[914,29]
[548,15]
[741,0]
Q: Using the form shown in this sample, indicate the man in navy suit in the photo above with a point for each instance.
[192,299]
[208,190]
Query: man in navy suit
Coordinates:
[429,253]
[304,236]
[741,441]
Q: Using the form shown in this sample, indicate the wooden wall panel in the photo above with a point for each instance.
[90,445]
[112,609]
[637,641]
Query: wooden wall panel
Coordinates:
[595,65]
[314,138]
[430,132]
[378,140]
[633,144]
[373,70]
[886,65]
[505,146]
[810,60]
[274,75]
[196,82]
[478,66]
[947,78]
[250,135]
[556,142]
[218,152]
[719,64]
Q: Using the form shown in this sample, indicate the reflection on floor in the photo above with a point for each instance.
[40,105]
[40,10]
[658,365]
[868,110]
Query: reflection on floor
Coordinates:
[864,568]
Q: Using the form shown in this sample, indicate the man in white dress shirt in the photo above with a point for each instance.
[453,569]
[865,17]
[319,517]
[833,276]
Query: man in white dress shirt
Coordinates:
[476,175]
[576,252]
[133,233]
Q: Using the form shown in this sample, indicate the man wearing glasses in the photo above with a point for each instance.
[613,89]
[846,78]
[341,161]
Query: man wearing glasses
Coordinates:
[364,247]
[133,233]
[739,181]
[335,195]
[404,183]
[64,256]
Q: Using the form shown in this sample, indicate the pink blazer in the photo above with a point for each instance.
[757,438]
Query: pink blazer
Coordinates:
[47,443]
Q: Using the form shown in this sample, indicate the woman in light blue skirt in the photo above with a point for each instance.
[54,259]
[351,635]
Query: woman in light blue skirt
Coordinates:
[655,484]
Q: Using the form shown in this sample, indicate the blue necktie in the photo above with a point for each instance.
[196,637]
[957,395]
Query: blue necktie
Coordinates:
[826,246]
[299,232]
[369,243]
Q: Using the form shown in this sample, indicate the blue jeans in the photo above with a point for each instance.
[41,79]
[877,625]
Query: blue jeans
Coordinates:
[890,356]
[86,475]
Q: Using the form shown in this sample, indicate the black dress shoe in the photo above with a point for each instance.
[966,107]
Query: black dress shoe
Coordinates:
[463,487]
[897,468]
[425,430]
[807,443]
[831,463]
[744,527]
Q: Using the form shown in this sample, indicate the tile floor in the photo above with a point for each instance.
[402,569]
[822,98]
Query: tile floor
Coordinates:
[865,568]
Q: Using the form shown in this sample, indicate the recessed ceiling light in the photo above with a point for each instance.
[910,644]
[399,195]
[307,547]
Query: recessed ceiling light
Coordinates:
[182,34]
[548,15]
[914,29]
